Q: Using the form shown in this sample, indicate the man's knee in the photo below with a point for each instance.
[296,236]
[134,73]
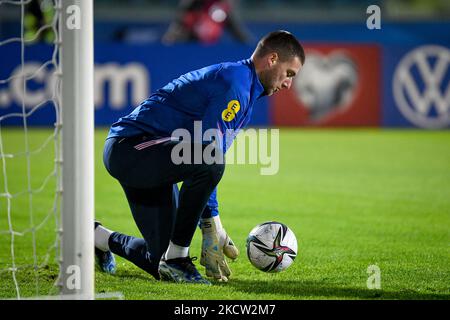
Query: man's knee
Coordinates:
[214,171]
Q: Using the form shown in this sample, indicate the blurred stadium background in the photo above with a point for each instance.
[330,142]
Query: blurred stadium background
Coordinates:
[348,80]
[357,176]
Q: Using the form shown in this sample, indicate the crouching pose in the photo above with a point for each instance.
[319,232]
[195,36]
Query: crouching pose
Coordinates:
[143,154]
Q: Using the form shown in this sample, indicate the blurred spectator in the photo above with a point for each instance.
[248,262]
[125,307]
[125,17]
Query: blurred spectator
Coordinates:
[204,21]
[39,14]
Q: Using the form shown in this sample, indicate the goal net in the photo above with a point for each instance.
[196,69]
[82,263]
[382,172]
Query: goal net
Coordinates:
[46,149]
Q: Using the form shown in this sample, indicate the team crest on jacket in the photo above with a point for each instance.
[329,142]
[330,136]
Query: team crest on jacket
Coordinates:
[229,113]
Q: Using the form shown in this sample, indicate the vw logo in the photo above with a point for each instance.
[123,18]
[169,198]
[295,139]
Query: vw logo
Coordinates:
[421,86]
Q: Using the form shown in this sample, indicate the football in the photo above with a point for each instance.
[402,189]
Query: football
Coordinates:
[271,246]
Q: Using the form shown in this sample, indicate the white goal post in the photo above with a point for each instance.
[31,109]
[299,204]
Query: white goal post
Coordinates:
[77,70]
[35,191]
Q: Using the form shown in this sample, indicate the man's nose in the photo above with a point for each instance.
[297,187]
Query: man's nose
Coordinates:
[286,84]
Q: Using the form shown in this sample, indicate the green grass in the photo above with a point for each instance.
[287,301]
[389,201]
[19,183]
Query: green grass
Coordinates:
[354,198]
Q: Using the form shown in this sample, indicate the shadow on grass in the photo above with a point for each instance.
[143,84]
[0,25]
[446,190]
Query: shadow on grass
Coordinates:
[133,275]
[311,289]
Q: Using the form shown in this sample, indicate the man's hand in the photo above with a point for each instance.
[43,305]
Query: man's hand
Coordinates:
[216,244]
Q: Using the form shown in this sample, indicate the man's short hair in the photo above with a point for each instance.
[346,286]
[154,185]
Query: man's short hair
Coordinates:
[283,43]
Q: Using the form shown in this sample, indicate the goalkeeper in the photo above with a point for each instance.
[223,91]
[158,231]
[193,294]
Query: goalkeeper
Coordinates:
[138,153]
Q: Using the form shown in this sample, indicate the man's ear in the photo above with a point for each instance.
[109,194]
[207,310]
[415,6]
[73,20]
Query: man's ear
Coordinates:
[273,58]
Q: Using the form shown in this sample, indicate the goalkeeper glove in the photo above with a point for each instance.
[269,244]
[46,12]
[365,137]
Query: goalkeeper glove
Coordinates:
[216,244]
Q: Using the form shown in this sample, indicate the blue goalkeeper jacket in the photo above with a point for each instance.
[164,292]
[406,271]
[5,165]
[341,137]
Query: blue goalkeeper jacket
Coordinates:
[220,95]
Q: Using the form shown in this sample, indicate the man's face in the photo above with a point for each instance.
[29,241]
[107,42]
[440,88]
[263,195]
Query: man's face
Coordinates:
[278,74]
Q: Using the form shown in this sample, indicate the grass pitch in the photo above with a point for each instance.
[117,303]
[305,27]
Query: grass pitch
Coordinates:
[354,198]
